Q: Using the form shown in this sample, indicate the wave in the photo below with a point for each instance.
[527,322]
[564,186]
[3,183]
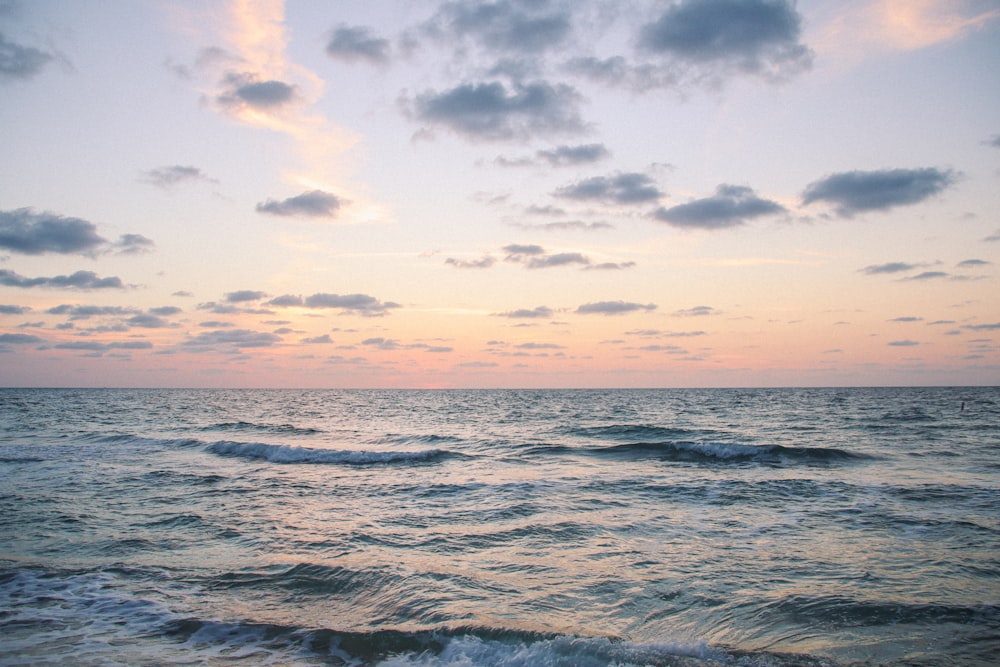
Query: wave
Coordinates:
[630,432]
[251,427]
[294,454]
[709,452]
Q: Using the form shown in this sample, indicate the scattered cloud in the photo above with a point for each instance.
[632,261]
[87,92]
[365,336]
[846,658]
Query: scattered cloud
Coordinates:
[993,141]
[483,262]
[173,175]
[902,343]
[86,312]
[855,192]
[356,304]
[13,310]
[315,204]
[318,340]
[235,338]
[85,280]
[19,62]
[560,156]
[357,44]
[907,318]
[18,339]
[613,308]
[133,244]
[242,296]
[492,111]
[697,311]
[731,206]
[539,312]
[504,26]
[566,225]
[620,188]
[148,321]
[30,233]
[890,267]
[753,36]
[973,263]
[995,326]
[995,236]
[928,275]
[242,90]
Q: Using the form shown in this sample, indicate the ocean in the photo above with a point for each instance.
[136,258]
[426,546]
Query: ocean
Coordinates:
[751,527]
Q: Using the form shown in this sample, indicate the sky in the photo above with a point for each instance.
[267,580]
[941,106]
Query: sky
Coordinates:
[508,193]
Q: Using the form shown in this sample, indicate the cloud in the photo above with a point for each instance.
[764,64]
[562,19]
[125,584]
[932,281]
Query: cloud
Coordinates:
[858,191]
[86,312]
[13,310]
[907,318]
[243,90]
[890,267]
[993,141]
[973,263]
[133,244]
[241,296]
[18,339]
[731,206]
[20,62]
[902,343]
[358,304]
[539,312]
[495,112]
[85,280]
[995,326]
[286,300]
[168,177]
[621,188]
[567,225]
[356,43]
[995,236]
[148,321]
[927,275]
[318,340]
[558,259]
[516,250]
[697,311]
[484,262]
[560,156]
[610,266]
[316,204]
[30,233]
[504,26]
[613,308]
[755,36]
[237,338]
[99,347]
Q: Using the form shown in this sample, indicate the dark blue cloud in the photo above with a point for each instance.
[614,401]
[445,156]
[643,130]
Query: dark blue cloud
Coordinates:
[621,188]
[20,62]
[315,204]
[492,111]
[753,35]
[30,233]
[85,280]
[855,192]
[245,90]
[355,43]
[731,206]
[505,26]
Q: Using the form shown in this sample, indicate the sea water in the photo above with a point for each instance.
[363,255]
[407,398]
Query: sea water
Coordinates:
[495,527]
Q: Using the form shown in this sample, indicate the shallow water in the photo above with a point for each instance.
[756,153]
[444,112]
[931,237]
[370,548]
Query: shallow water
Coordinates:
[494,527]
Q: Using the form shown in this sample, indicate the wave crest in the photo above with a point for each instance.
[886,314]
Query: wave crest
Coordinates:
[294,454]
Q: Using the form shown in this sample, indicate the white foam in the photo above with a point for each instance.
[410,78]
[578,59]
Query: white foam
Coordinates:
[295,454]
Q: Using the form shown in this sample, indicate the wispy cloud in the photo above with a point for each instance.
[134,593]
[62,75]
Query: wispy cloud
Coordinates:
[889,267]
[613,308]
[539,312]
[19,62]
[174,175]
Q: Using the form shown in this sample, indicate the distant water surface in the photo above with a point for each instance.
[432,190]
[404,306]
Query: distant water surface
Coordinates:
[494,527]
